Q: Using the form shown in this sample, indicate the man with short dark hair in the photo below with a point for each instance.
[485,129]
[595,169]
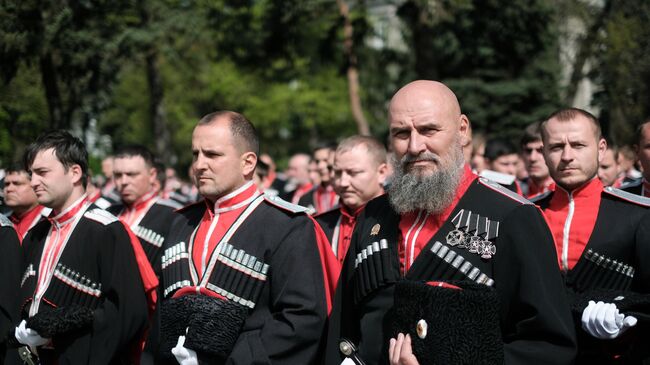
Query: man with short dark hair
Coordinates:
[84,296]
[641,186]
[20,197]
[539,181]
[243,281]
[359,174]
[439,222]
[602,237]
[323,197]
[501,162]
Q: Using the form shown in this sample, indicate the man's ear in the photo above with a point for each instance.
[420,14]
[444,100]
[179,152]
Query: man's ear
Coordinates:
[76,172]
[248,163]
[463,130]
[602,148]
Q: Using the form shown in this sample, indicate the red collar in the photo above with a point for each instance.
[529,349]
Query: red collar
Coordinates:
[590,189]
[143,201]
[534,189]
[26,216]
[345,212]
[234,200]
[69,213]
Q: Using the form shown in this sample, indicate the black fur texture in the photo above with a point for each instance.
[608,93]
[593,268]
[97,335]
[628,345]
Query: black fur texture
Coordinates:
[463,325]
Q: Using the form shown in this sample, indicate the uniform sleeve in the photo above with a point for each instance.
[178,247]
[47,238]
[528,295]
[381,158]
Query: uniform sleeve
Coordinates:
[121,318]
[293,333]
[536,323]
[10,267]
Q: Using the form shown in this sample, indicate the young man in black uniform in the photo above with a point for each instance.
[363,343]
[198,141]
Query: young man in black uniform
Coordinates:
[84,296]
[440,222]
[602,236]
[242,277]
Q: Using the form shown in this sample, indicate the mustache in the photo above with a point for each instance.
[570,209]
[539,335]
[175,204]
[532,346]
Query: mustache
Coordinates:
[424,156]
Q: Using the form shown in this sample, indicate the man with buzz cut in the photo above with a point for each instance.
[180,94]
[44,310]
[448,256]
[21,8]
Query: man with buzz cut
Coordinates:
[602,237]
[242,276]
[86,286]
[142,209]
[359,173]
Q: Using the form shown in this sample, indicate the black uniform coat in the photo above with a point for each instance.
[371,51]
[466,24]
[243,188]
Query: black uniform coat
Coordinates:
[535,318]
[621,233]
[287,322]
[153,229]
[99,249]
[10,265]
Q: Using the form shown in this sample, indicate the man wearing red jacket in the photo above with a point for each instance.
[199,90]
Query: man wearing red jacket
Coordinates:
[602,237]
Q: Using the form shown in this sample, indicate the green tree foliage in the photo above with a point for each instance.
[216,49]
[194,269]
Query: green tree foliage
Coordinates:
[623,68]
[500,57]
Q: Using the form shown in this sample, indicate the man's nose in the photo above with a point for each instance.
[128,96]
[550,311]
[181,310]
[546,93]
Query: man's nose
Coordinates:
[416,144]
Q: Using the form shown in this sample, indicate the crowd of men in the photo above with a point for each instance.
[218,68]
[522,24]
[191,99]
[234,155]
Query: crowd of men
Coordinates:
[441,248]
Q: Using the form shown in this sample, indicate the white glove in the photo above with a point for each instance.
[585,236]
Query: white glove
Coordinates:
[347,361]
[603,321]
[183,355]
[28,336]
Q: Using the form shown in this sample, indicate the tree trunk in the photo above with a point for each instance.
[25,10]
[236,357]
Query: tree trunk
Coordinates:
[352,70]
[157,114]
[52,93]
[157,110]
[584,52]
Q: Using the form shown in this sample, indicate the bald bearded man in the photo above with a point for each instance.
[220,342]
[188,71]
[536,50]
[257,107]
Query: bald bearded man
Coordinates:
[441,223]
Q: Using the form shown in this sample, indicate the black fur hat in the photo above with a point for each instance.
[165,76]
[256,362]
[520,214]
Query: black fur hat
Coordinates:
[212,324]
[457,323]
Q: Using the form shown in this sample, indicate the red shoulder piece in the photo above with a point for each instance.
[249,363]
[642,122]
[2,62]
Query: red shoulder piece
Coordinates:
[150,283]
[329,263]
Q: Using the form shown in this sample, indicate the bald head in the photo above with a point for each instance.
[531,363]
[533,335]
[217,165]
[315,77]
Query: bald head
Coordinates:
[425,95]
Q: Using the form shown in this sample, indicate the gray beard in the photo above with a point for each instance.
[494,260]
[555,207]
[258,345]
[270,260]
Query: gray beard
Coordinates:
[433,193]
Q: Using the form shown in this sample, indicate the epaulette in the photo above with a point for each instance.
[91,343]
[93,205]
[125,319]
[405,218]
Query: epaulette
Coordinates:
[632,184]
[281,203]
[170,203]
[5,222]
[503,190]
[541,196]
[503,179]
[103,203]
[101,216]
[632,198]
